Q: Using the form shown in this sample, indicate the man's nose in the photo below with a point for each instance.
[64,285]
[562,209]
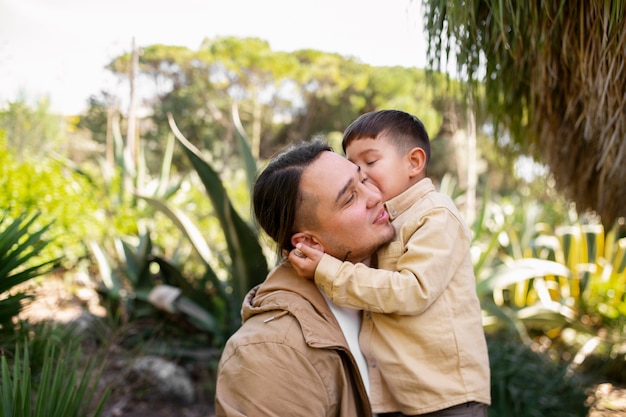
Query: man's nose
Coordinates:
[372,193]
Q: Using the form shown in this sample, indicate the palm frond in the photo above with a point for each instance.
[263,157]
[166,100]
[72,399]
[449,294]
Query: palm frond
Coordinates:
[554,76]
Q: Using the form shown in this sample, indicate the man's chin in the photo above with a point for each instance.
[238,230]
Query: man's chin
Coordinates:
[391,236]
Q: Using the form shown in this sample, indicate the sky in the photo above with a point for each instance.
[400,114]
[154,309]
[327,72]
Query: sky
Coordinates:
[59,48]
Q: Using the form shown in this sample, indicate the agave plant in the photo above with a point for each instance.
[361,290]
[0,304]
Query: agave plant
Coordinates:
[245,260]
[136,281]
[564,284]
[20,245]
[130,289]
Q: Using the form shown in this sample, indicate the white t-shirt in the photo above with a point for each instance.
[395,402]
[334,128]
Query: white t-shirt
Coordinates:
[350,322]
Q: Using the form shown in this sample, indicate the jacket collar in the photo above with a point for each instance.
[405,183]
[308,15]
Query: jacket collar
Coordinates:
[403,201]
[285,290]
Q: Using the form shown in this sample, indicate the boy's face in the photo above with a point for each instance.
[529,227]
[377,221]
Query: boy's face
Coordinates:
[382,164]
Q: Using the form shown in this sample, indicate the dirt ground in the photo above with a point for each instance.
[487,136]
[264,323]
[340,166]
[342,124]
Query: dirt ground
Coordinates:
[53,301]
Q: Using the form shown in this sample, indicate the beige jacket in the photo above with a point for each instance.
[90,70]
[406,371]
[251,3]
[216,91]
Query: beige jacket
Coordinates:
[422,334]
[296,364]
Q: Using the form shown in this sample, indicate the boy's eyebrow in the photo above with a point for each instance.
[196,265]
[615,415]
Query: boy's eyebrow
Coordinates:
[346,186]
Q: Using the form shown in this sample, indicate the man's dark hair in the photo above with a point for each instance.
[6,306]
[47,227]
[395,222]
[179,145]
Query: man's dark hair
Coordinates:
[276,194]
[403,130]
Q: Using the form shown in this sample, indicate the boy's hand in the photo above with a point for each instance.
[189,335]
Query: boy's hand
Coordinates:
[304,260]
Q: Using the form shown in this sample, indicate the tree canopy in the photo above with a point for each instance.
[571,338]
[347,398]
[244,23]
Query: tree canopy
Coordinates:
[281,97]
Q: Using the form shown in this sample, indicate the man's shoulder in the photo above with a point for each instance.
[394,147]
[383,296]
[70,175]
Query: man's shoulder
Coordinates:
[271,335]
[273,326]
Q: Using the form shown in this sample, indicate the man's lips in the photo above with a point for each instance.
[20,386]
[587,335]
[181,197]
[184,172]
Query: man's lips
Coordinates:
[383,217]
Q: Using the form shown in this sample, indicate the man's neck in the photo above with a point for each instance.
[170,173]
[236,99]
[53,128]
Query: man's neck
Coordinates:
[367,260]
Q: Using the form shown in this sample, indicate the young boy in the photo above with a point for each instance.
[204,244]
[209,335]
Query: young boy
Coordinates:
[422,333]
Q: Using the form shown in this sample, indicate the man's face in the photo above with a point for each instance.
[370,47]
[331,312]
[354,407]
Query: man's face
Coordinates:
[351,220]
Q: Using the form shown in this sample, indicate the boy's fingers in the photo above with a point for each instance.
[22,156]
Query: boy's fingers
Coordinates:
[305,250]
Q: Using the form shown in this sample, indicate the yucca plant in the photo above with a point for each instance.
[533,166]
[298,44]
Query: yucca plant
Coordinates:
[65,387]
[20,245]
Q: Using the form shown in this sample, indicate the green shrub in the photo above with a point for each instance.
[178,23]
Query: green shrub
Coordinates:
[58,195]
[525,383]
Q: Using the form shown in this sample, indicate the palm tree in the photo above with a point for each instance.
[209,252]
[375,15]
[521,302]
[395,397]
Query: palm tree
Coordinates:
[554,76]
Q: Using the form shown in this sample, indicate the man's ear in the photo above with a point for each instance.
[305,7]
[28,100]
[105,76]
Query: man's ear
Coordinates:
[307,239]
[417,162]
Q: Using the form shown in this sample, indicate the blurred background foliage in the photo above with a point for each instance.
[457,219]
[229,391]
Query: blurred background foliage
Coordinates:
[148,205]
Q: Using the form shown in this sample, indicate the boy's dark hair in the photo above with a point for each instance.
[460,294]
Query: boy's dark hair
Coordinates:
[276,193]
[404,130]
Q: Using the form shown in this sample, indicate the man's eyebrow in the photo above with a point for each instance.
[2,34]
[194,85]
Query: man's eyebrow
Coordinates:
[346,186]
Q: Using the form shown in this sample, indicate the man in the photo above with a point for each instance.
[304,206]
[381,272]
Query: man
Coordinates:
[296,354]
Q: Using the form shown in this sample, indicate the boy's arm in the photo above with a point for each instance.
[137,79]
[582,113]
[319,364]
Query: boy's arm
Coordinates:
[424,268]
